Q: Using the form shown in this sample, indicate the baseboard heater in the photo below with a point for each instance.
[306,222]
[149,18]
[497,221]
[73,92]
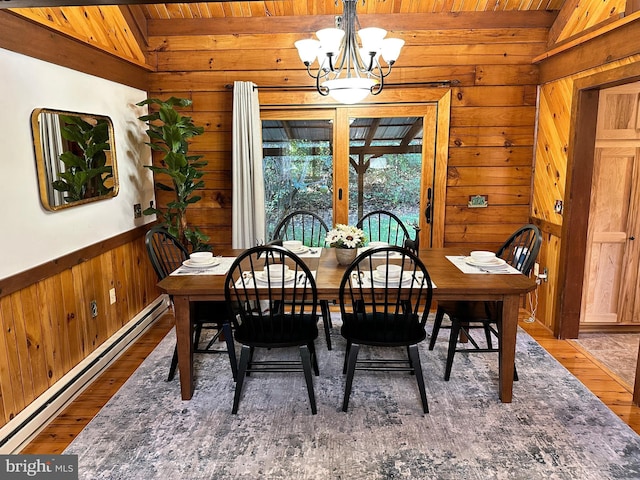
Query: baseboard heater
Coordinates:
[29,422]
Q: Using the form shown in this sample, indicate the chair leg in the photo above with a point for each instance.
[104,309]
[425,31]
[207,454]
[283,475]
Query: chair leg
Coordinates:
[412,372]
[436,327]
[242,370]
[174,365]
[305,354]
[417,367]
[314,358]
[250,360]
[326,319]
[487,334]
[231,349]
[453,340]
[196,336]
[353,357]
[346,357]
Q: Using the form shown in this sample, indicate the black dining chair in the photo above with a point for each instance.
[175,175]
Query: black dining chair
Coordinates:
[272,297]
[378,314]
[303,225]
[520,251]
[311,230]
[385,226]
[166,254]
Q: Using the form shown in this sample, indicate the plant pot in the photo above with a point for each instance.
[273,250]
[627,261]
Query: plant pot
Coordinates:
[346,255]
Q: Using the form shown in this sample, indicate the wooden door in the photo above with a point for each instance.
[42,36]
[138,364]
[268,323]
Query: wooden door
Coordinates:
[610,285]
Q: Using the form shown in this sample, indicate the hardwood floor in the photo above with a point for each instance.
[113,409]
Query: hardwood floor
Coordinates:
[61,432]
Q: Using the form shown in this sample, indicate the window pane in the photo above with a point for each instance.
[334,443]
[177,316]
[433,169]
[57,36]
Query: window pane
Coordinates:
[298,168]
[386,167]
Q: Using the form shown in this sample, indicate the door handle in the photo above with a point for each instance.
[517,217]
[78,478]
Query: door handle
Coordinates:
[427,213]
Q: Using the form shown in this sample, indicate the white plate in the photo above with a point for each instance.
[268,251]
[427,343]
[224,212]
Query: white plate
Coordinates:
[377,278]
[191,264]
[262,277]
[495,263]
[299,250]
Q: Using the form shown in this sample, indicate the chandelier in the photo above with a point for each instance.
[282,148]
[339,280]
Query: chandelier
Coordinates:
[345,70]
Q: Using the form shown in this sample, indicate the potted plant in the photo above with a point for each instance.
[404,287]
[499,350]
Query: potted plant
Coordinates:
[86,169]
[169,132]
[346,239]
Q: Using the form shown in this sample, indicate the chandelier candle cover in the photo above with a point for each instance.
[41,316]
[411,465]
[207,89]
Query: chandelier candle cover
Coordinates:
[346,239]
[347,71]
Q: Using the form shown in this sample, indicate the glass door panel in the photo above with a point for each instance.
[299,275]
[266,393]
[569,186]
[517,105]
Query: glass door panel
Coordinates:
[385,172]
[298,167]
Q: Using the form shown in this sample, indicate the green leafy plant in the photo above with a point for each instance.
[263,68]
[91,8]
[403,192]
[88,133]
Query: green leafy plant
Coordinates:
[86,169]
[169,133]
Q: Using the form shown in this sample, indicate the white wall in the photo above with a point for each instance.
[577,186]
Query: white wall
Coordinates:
[29,234]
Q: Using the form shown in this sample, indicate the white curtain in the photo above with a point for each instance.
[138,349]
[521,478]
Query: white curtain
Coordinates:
[248,217]
[52,148]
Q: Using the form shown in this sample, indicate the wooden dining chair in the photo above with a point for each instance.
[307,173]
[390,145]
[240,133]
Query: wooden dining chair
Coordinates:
[166,254]
[311,230]
[385,226]
[520,251]
[378,314]
[273,300]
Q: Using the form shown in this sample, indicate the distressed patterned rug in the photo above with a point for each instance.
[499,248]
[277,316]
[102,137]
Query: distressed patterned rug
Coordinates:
[554,429]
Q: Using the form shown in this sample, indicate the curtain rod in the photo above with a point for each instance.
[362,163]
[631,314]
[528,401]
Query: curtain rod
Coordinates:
[439,83]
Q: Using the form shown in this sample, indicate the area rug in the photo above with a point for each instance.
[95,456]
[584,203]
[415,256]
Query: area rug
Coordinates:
[554,428]
[616,352]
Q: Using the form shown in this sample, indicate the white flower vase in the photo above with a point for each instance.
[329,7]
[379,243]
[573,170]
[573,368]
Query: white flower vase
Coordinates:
[346,255]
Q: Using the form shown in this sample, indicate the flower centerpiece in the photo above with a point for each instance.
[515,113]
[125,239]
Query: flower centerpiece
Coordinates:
[346,239]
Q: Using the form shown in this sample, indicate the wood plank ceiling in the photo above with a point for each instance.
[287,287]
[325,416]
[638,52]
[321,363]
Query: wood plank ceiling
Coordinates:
[108,27]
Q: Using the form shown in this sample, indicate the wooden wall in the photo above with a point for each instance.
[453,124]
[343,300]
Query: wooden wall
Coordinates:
[47,327]
[595,50]
[492,113]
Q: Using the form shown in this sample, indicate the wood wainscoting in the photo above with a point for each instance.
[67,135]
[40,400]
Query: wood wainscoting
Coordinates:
[46,317]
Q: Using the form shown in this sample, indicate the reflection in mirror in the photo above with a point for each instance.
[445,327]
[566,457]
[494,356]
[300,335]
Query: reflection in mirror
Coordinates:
[75,156]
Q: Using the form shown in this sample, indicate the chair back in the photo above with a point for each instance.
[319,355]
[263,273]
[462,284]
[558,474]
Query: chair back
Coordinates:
[384,307]
[166,253]
[272,298]
[303,225]
[521,248]
[384,226]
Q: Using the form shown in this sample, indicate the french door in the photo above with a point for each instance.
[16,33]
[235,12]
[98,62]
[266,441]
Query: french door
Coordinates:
[344,162]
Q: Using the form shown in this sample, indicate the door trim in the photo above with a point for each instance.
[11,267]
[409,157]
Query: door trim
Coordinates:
[580,161]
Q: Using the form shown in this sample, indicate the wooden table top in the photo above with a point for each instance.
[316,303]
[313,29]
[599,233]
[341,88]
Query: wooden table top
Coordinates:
[451,283]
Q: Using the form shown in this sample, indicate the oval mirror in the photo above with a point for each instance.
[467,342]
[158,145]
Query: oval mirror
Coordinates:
[75,157]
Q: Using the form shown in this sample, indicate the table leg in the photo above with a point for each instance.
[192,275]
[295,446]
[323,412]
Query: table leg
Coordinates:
[184,335]
[508,331]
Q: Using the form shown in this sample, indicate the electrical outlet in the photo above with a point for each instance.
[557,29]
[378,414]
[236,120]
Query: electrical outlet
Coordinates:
[557,207]
[94,308]
[112,296]
[137,210]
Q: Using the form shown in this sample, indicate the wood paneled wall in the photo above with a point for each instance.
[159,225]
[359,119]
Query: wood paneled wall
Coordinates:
[47,327]
[560,69]
[492,113]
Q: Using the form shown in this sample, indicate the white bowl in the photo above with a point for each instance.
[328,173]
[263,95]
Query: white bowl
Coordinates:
[276,270]
[293,245]
[378,244]
[201,257]
[482,256]
[389,270]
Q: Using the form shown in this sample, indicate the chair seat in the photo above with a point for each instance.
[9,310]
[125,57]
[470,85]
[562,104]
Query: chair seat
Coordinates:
[369,330]
[250,333]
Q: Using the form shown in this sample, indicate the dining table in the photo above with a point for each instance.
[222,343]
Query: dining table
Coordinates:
[452,282]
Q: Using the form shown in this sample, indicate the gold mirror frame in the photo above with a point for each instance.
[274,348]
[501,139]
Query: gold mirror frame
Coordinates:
[51,147]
